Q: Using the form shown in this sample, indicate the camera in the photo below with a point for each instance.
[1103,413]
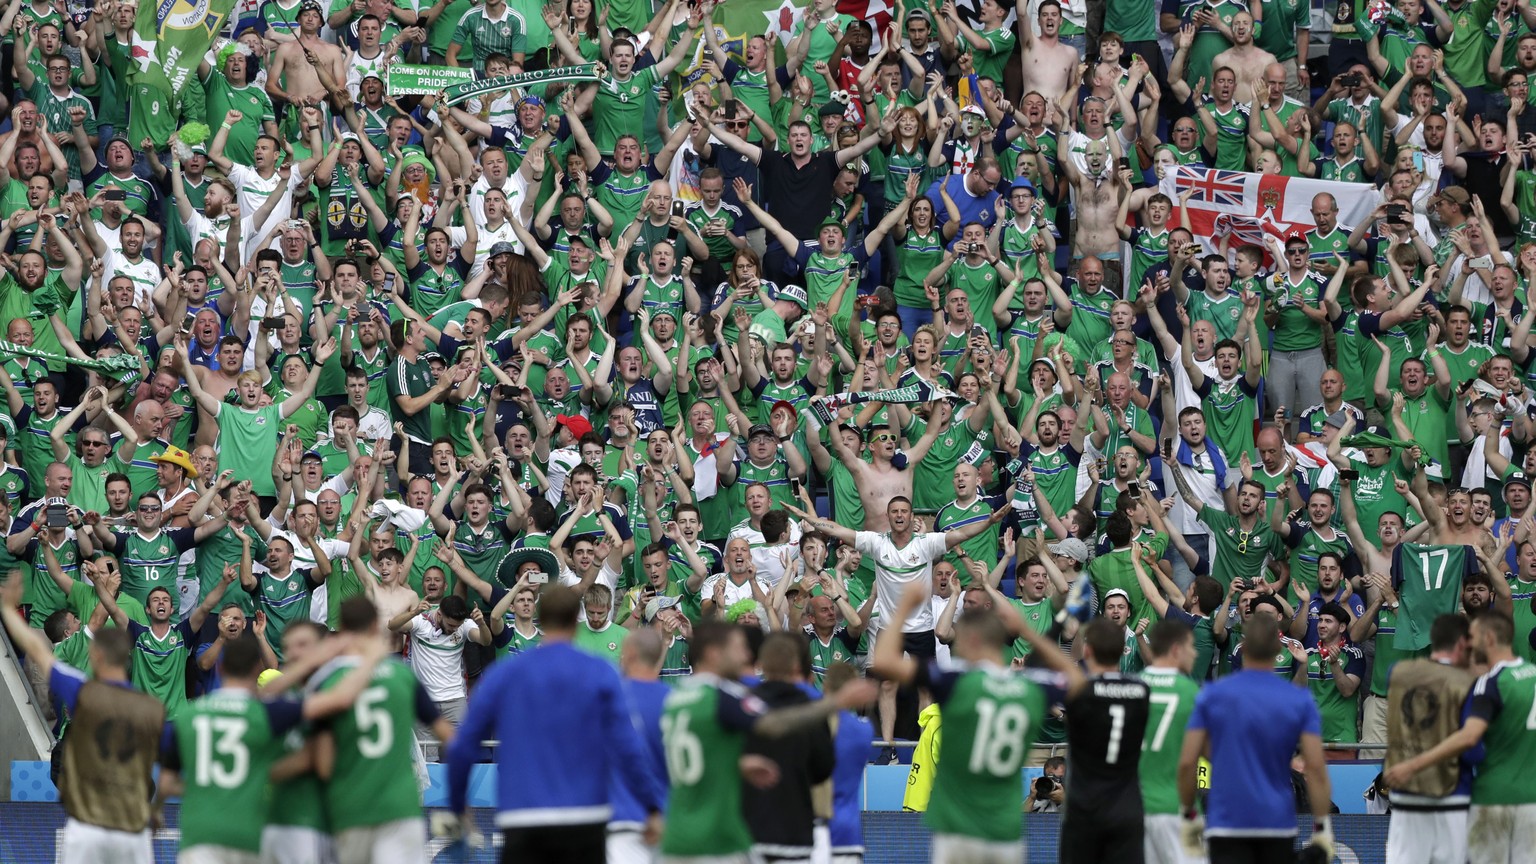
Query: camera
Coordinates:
[1349,475]
[1045,785]
[1397,214]
[57,514]
[1351,79]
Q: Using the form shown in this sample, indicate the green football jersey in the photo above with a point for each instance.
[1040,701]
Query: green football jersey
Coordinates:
[1428,584]
[702,731]
[1387,654]
[604,643]
[1521,592]
[372,781]
[982,547]
[991,715]
[1037,616]
[1340,713]
[1506,699]
[1172,700]
[159,665]
[227,742]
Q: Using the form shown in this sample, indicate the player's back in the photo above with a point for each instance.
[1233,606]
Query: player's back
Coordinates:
[1170,701]
[373,781]
[852,741]
[990,717]
[1504,777]
[647,702]
[1105,726]
[1424,701]
[226,744]
[704,816]
[1254,720]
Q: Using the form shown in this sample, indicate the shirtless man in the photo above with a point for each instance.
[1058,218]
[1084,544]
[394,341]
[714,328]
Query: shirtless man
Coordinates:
[879,480]
[25,129]
[1097,192]
[384,576]
[217,382]
[1049,66]
[298,67]
[1244,58]
[1453,525]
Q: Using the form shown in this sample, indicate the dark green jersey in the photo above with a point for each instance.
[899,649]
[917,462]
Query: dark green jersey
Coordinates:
[1240,552]
[1339,712]
[1428,584]
[412,379]
[982,547]
[159,665]
[702,731]
[226,743]
[1505,699]
[991,715]
[372,781]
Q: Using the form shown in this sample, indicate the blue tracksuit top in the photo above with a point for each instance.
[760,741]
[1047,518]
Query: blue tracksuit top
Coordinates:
[646,700]
[564,726]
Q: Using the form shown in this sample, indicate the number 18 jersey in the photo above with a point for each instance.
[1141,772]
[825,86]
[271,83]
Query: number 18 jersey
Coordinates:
[991,716]
[225,744]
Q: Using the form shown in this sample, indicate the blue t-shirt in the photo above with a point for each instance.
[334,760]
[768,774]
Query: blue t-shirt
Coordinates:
[1254,720]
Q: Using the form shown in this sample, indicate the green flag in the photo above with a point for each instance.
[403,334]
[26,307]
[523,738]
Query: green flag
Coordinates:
[170,38]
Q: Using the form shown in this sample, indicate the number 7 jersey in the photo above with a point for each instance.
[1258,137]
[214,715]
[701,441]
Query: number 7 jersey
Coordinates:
[991,716]
[1428,583]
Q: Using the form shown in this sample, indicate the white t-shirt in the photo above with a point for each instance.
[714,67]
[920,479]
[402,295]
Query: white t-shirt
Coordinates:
[733,592]
[1202,481]
[771,562]
[895,569]
[486,239]
[437,657]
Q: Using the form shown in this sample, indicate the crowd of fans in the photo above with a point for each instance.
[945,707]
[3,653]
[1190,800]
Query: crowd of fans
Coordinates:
[634,334]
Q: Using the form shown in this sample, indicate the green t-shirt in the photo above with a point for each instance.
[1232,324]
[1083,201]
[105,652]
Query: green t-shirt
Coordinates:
[1240,553]
[620,106]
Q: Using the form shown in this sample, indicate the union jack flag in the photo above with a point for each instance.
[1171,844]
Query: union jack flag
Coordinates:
[1221,188]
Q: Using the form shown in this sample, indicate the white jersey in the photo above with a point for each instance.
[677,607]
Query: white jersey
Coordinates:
[145,275]
[253,190]
[895,569]
[437,657]
[486,238]
[733,593]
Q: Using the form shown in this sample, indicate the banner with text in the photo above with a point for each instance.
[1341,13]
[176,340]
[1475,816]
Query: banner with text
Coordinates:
[460,92]
[408,80]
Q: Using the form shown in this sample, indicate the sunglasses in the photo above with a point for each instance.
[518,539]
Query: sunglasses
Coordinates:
[883,437]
